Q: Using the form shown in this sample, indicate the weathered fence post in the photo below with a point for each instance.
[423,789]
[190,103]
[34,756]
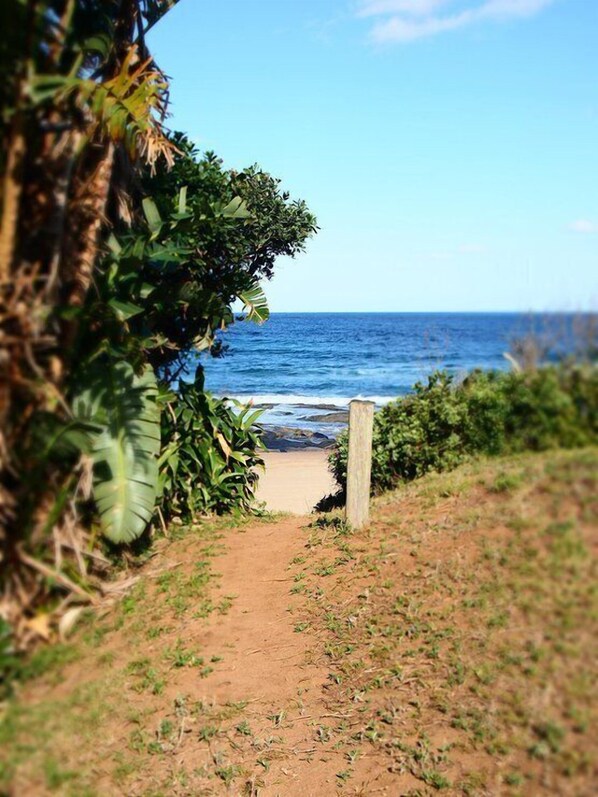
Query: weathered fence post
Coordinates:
[359,463]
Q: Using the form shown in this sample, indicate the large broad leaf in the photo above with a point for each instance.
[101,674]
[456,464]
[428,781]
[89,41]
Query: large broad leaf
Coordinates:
[152,215]
[126,447]
[256,304]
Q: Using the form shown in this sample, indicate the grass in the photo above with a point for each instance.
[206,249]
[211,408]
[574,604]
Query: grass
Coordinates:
[458,633]
[470,617]
[36,738]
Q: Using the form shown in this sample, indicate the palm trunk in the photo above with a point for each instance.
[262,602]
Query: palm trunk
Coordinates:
[87,217]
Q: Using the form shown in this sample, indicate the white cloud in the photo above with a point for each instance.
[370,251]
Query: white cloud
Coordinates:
[408,20]
[584,226]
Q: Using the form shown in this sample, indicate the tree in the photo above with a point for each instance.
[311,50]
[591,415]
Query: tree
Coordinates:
[88,320]
[82,108]
[207,238]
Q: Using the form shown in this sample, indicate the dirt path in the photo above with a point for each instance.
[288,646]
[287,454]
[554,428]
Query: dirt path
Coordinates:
[265,658]
[269,664]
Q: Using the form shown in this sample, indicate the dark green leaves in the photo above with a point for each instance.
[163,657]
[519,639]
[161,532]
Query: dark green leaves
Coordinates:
[489,414]
[210,455]
[125,447]
[124,310]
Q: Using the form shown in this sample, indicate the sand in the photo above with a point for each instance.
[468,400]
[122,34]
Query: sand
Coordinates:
[295,481]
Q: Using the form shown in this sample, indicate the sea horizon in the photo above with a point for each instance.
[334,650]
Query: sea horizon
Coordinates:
[539,313]
[303,366]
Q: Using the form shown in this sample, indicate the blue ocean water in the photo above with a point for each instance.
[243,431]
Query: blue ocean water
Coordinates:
[299,360]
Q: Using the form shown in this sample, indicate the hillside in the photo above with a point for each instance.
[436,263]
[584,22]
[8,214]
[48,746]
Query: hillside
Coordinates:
[449,648]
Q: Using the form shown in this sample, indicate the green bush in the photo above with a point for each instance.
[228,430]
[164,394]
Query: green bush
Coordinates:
[442,423]
[210,451]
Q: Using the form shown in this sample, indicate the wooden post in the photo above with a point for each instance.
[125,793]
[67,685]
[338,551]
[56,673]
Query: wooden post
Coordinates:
[359,463]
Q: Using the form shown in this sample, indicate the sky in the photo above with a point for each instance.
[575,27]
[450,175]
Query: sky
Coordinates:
[449,148]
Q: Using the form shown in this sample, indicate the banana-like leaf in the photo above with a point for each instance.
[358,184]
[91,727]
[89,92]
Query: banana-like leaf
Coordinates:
[256,304]
[126,448]
[152,215]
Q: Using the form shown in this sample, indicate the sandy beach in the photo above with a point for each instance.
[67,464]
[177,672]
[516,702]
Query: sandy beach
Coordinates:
[294,481]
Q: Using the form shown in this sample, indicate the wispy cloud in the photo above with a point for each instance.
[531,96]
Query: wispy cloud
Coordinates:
[408,20]
[584,226]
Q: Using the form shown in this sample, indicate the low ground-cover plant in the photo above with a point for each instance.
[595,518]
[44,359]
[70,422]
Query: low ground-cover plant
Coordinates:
[443,422]
[210,451]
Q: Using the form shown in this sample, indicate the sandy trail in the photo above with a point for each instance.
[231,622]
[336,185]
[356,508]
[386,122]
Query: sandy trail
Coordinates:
[294,481]
[267,663]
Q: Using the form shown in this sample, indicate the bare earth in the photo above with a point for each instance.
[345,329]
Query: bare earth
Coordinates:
[295,481]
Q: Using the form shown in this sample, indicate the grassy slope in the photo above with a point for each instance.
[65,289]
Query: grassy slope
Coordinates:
[459,633]
[467,624]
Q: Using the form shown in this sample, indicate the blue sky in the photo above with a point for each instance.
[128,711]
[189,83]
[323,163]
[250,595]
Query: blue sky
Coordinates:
[449,148]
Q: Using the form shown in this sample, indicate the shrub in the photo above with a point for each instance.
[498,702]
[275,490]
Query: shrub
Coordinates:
[442,423]
[210,451]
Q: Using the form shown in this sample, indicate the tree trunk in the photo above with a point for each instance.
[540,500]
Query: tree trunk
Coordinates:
[87,217]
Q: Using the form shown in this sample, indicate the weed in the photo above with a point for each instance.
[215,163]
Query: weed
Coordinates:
[179,657]
[505,483]
[278,718]
[434,779]
[208,732]
[228,774]
[56,776]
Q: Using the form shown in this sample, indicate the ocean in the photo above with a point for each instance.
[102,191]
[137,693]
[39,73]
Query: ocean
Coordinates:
[298,362]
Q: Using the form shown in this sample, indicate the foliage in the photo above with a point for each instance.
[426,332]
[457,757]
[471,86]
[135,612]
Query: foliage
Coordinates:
[277,226]
[164,287]
[126,108]
[82,110]
[211,451]
[490,413]
[222,233]
[125,448]
[168,282]
[121,255]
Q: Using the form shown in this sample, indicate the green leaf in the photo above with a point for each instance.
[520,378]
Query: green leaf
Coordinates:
[124,310]
[100,43]
[126,450]
[152,215]
[114,245]
[236,209]
[249,420]
[183,200]
[146,290]
[255,303]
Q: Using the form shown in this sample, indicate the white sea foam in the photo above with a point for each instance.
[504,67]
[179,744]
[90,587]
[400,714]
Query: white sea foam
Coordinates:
[309,401]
